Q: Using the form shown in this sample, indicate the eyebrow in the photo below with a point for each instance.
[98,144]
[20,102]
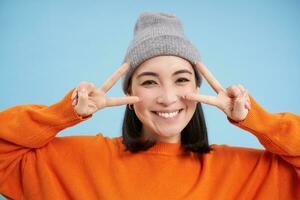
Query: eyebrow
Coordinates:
[156,75]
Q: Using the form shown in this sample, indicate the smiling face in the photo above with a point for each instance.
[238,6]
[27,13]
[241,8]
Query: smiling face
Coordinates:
[161,82]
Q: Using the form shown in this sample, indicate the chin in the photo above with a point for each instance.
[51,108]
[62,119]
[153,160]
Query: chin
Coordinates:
[168,133]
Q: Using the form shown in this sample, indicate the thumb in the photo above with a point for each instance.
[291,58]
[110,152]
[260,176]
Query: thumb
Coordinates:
[83,98]
[239,112]
[233,91]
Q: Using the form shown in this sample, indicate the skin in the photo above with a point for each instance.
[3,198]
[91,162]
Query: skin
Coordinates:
[162,92]
[88,99]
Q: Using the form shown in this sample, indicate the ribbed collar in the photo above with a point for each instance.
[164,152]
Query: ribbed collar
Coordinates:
[166,148]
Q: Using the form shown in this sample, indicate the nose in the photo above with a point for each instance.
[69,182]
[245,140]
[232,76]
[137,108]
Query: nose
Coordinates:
[167,97]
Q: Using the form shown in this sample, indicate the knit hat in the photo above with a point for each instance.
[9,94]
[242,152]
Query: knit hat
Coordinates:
[157,34]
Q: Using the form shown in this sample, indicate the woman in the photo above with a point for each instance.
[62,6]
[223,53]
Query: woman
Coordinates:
[163,151]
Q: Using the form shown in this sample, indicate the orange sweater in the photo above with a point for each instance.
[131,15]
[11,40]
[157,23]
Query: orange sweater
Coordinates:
[34,164]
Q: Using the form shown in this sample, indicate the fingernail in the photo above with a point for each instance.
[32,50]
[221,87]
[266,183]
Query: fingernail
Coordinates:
[248,105]
[74,102]
[74,94]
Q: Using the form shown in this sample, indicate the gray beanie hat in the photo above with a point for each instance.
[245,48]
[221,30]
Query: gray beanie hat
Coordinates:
[157,34]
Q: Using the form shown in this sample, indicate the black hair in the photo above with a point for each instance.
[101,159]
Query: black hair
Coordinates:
[194,137]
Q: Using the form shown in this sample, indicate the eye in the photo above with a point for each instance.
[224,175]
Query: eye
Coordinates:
[182,80]
[148,82]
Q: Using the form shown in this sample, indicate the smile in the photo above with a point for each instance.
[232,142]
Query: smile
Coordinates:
[168,115]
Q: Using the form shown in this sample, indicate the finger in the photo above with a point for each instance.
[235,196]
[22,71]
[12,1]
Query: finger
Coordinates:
[248,105]
[115,77]
[233,91]
[74,94]
[209,77]
[86,86]
[242,89]
[239,107]
[239,104]
[247,100]
[201,98]
[74,102]
[122,101]
[83,98]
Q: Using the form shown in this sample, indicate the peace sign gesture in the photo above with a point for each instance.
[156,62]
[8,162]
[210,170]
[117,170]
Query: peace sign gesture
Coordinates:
[234,101]
[87,99]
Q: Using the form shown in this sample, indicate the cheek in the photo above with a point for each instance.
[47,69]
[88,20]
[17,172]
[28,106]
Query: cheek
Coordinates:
[147,100]
[189,89]
[144,94]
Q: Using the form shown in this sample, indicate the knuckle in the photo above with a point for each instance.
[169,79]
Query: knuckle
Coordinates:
[230,88]
[82,95]
[240,101]
[83,83]
[91,84]
[237,90]
[240,85]
[234,88]
[86,85]
[242,88]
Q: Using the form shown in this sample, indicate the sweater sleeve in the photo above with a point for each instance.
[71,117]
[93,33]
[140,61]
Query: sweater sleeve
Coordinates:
[27,127]
[279,133]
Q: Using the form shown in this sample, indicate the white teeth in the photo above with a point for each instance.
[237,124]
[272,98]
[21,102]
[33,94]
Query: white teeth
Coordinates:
[168,115]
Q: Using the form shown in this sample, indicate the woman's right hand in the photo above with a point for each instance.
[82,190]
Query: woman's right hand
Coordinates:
[87,98]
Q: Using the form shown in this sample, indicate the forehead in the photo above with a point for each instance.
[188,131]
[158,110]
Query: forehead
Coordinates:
[164,65]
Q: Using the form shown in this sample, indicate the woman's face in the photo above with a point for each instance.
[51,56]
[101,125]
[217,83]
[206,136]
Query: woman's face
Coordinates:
[161,82]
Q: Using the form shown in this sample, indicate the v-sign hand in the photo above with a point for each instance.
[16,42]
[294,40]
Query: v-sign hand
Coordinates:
[233,101]
[87,99]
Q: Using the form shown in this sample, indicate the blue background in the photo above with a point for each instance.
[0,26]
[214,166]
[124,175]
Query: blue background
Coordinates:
[47,48]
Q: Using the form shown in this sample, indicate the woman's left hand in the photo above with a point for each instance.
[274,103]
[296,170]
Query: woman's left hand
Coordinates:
[233,101]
